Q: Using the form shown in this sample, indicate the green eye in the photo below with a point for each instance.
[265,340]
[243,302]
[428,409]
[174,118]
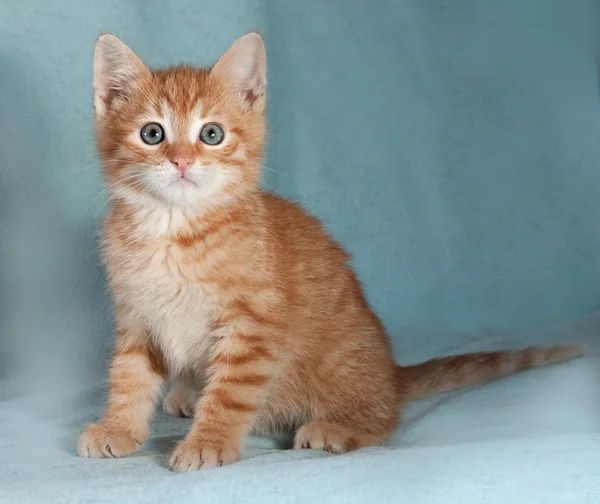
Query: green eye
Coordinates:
[152,134]
[212,134]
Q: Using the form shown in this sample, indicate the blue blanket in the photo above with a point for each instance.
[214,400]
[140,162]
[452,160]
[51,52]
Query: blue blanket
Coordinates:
[531,438]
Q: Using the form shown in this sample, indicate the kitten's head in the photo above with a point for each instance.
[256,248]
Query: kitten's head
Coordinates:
[186,137]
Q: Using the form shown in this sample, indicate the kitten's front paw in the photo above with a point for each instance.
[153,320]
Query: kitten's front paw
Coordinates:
[193,455]
[96,441]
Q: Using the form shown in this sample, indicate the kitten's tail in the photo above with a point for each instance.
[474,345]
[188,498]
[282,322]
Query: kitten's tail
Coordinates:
[449,373]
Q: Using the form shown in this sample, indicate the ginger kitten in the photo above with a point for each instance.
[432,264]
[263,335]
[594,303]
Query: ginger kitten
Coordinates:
[228,290]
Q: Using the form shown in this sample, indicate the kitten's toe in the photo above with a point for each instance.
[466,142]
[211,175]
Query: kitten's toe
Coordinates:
[192,456]
[180,401]
[176,405]
[186,409]
[310,437]
[96,441]
[332,438]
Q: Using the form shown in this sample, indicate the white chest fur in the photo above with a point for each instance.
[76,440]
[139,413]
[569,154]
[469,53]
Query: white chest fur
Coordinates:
[172,305]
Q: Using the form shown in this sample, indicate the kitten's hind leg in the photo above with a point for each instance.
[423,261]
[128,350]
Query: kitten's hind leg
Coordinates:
[333,438]
[181,399]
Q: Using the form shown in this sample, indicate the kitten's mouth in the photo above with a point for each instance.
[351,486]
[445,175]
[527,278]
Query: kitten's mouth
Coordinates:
[183,181]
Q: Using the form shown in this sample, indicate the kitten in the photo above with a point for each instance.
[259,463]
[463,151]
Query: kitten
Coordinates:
[228,290]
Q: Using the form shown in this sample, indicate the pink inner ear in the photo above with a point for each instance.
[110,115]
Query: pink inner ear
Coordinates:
[106,96]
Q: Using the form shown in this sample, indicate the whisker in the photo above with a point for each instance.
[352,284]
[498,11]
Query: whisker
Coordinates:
[271,187]
[141,176]
[93,201]
[274,171]
[98,164]
[110,198]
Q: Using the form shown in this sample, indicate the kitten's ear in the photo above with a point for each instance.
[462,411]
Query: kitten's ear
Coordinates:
[115,68]
[243,68]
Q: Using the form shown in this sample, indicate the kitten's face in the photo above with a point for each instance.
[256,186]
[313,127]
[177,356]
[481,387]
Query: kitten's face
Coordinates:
[183,136]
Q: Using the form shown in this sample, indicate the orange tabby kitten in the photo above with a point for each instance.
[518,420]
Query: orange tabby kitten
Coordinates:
[237,296]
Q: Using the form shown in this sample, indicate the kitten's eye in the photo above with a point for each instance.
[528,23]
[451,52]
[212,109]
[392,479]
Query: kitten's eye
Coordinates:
[211,134]
[152,134]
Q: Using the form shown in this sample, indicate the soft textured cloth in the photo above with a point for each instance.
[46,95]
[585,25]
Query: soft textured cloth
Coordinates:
[533,438]
[453,146]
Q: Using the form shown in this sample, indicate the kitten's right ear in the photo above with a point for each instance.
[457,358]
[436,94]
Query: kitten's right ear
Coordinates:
[115,68]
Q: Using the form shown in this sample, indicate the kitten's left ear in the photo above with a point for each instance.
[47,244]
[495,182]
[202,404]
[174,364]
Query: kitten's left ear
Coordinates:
[116,67]
[243,68]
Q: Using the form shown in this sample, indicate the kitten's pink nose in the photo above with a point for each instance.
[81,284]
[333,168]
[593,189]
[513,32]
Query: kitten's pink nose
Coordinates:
[182,163]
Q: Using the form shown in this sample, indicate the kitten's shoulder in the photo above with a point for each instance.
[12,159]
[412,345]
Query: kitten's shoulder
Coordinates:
[288,213]
[299,229]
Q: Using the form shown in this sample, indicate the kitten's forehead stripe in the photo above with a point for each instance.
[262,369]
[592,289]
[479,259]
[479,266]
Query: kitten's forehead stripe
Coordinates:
[198,111]
[164,108]
[183,87]
[156,105]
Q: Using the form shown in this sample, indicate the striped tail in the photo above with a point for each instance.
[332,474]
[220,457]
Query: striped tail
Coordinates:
[450,373]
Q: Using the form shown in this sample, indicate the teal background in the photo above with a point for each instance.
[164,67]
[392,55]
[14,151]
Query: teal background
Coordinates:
[452,146]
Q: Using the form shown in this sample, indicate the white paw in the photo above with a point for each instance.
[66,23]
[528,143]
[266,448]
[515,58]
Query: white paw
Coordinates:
[96,441]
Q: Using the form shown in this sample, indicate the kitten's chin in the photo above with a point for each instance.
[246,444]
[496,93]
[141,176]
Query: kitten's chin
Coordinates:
[184,183]
[182,193]
[179,194]
[192,195]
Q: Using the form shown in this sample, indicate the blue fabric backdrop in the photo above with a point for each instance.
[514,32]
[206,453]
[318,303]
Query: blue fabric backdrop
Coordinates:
[452,146]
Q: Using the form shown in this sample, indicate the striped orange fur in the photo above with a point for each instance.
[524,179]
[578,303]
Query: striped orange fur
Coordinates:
[239,298]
